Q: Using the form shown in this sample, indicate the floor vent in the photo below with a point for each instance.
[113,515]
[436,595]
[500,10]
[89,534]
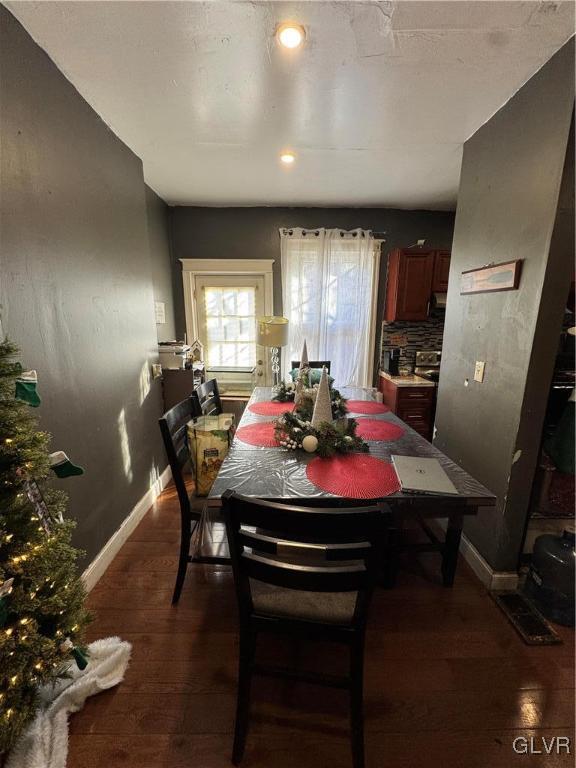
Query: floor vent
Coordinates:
[526,619]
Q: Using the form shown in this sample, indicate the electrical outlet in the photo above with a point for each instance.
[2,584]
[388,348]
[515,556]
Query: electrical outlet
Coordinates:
[479,371]
[156,370]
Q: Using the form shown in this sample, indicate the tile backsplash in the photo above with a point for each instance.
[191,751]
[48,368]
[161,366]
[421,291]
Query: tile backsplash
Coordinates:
[411,337]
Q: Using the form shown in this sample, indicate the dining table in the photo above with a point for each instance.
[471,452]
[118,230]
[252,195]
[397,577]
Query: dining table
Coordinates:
[270,471]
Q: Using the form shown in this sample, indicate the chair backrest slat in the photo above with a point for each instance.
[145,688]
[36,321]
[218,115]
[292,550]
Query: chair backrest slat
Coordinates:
[298,523]
[264,542]
[344,578]
[173,427]
[208,398]
[180,443]
[312,364]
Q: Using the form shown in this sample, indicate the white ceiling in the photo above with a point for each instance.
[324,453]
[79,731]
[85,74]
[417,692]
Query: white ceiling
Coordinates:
[376,105]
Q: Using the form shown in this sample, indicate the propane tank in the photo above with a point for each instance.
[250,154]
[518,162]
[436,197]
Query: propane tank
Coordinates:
[550,581]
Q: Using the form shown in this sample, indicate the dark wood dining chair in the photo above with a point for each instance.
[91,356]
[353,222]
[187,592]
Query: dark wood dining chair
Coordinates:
[207,397]
[174,434]
[307,572]
[312,364]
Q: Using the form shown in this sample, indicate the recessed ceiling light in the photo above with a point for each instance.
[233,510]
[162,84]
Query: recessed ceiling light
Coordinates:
[290,35]
[287,158]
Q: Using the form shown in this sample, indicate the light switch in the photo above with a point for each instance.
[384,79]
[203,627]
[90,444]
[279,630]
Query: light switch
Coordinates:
[160,312]
[479,371]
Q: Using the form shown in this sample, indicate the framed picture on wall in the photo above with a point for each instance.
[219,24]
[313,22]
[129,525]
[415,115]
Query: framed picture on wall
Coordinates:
[492,278]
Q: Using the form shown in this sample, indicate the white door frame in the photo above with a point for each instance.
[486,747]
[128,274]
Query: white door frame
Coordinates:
[191,268]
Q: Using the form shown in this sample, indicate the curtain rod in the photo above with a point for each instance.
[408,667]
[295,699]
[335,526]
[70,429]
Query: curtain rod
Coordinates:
[343,232]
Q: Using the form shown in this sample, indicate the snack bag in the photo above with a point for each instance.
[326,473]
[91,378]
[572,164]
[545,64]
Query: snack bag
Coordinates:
[209,439]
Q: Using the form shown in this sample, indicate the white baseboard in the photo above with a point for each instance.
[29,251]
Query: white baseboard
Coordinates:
[98,566]
[492,580]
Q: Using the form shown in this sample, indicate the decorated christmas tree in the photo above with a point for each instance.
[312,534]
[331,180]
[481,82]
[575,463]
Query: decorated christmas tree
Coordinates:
[41,597]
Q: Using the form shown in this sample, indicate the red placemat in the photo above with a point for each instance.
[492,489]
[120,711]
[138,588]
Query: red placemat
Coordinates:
[354,475]
[270,408]
[258,434]
[366,406]
[375,429]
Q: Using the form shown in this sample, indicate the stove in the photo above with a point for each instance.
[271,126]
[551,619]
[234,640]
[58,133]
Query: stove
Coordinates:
[428,364]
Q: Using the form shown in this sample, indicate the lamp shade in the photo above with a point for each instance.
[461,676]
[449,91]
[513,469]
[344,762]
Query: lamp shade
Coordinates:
[272,331]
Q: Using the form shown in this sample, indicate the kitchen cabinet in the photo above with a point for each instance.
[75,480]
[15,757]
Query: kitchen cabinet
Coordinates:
[413,275]
[409,284]
[441,271]
[412,404]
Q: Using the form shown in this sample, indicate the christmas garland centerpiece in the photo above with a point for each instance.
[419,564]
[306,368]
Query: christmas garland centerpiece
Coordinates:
[284,392]
[303,392]
[288,391]
[305,405]
[305,397]
[312,426]
[326,439]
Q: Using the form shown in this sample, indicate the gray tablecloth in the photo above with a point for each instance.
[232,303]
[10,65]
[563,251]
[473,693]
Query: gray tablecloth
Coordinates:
[279,473]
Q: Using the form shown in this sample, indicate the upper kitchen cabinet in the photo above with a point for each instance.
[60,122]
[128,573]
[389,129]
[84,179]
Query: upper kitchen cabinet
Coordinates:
[413,276]
[409,284]
[441,272]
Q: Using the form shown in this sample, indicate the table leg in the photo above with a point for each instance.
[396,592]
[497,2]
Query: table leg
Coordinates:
[391,553]
[451,547]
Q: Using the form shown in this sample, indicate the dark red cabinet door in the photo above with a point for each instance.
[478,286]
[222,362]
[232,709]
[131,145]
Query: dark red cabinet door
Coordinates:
[409,284]
[441,271]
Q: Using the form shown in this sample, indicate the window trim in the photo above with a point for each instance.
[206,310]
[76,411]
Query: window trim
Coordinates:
[192,268]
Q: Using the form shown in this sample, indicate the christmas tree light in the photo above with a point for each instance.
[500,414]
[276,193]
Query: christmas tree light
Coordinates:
[41,596]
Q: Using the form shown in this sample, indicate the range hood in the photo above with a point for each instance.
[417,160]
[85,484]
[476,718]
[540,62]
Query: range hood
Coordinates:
[439,300]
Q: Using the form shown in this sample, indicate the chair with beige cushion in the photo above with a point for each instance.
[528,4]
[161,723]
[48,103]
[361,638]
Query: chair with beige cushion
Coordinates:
[307,572]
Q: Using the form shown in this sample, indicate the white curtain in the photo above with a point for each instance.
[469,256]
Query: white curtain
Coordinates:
[327,292]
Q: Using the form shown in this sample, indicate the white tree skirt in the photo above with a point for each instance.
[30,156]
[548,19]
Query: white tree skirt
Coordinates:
[45,743]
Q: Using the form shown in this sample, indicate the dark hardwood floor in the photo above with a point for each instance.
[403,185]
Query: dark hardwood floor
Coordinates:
[448,682]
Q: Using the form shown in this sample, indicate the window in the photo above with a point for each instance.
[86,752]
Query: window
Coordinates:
[329,280]
[228,319]
[223,298]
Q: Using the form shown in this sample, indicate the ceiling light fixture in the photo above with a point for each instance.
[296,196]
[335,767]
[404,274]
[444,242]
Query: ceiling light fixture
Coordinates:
[290,35]
[287,158]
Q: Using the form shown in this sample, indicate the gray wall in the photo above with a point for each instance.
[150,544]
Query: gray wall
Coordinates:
[76,285]
[159,239]
[507,208]
[242,233]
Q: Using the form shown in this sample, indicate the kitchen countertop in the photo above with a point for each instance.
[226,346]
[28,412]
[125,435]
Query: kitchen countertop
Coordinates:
[408,381]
